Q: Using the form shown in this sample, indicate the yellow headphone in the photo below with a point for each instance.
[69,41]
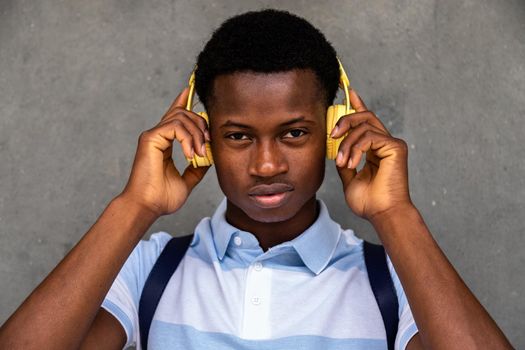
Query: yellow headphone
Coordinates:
[333,114]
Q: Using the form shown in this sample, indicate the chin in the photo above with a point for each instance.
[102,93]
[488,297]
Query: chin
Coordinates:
[270,215]
[284,212]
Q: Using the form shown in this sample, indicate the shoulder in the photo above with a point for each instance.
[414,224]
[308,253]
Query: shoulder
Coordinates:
[122,299]
[147,251]
[139,264]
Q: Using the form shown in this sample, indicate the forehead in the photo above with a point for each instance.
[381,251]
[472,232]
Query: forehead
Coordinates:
[242,92]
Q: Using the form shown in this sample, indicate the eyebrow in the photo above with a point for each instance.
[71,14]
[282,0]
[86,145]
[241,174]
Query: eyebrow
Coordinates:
[230,123]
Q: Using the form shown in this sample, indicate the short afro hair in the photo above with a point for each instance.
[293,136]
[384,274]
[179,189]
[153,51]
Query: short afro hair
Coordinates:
[266,41]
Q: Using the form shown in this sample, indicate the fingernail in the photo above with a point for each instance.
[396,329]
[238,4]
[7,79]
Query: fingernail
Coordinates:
[349,163]
[336,129]
[203,149]
[339,158]
[192,153]
[207,135]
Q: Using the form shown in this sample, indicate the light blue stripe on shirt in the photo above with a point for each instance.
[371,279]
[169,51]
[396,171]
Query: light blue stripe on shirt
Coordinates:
[165,335]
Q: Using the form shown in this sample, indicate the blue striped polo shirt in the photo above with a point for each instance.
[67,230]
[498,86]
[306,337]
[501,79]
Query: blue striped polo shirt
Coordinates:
[311,292]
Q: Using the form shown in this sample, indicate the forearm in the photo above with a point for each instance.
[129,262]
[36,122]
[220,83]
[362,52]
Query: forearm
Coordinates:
[447,314]
[61,309]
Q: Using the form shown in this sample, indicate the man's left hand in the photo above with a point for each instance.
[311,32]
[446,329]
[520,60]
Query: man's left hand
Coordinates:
[382,184]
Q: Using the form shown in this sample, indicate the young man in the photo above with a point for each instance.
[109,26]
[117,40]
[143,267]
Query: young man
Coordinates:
[270,269]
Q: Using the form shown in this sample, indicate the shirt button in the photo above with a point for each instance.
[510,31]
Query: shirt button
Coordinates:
[256,300]
[237,240]
[257,266]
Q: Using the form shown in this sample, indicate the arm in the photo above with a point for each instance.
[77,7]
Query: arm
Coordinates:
[60,311]
[447,314]
[65,308]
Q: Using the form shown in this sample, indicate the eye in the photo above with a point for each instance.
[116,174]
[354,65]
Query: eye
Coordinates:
[237,136]
[294,133]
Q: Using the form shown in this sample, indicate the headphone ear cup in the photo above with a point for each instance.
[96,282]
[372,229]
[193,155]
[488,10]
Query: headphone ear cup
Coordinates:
[198,161]
[333,114]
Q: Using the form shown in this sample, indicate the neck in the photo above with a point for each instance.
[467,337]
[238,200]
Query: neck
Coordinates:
[270,234]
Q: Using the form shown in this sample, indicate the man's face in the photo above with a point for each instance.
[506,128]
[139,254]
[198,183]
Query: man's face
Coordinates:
[268,137]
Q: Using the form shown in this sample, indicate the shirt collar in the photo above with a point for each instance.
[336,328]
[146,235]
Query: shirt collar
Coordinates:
[315,246]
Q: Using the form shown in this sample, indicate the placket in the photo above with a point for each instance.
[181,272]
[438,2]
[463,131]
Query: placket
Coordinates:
[256,316]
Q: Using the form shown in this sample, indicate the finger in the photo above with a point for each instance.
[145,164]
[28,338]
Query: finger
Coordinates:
[372,159]
[185,139]
[192,176]
[370,141]
[344,152]
[180,101]
[196,118]
[196,133]
[347,175]
[194,124]
[164,135]
[356,102]
[353,120]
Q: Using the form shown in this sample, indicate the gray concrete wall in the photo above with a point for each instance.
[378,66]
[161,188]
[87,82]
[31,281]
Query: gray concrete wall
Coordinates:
[80,80]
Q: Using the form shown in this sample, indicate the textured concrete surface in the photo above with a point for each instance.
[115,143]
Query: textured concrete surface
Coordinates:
[79,81]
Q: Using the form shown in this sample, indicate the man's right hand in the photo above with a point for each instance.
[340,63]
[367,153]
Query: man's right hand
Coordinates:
[64,311]
[155,182]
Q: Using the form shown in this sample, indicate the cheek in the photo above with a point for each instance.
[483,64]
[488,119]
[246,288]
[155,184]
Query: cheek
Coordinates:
[312,171]
[229,170]
[318,157]
[308,167]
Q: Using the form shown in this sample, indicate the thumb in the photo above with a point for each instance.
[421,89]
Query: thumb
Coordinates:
[192,176]
[181,99]
[356,102]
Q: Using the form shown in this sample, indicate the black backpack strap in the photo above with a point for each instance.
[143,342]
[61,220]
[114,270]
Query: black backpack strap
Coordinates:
[157,280]
[383,288]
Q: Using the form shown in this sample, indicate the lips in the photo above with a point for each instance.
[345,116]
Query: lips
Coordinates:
[265,190]
[270,196]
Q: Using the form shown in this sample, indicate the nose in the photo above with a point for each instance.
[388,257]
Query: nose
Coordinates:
[267,159]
